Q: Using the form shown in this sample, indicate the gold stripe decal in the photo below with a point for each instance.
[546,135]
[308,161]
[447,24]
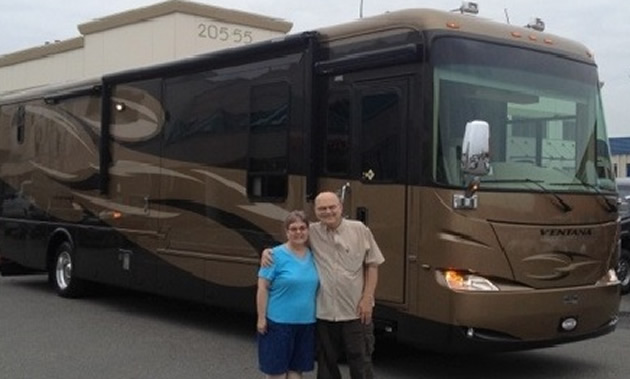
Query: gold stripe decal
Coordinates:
[125,209]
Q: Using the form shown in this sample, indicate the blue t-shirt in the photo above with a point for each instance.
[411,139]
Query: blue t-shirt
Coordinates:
[293,287]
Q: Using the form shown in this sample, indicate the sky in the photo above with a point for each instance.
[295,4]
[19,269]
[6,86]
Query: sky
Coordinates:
[602,25]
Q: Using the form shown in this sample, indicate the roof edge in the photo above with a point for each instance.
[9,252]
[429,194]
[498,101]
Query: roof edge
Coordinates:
[41,51]
[187,7]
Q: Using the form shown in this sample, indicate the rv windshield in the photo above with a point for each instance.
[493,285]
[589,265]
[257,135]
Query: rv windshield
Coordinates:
[544,111]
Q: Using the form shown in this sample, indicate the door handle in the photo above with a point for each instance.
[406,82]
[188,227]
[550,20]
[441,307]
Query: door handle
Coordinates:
[146,204]
[362,214]
[345,190]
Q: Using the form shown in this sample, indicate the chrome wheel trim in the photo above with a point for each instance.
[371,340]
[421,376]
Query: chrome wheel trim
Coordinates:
[63,270]
[622,271]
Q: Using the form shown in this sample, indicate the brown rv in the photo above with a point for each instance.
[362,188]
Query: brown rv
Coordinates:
[475,151]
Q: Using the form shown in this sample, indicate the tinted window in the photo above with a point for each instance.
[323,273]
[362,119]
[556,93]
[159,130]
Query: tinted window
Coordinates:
[380,120]
[268,140]
[337,154]
[207,116]
[623,189]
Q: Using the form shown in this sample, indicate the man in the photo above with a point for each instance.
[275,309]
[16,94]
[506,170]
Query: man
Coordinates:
[347,259]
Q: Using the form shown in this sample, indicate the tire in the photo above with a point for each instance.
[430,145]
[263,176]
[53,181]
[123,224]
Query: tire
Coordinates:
[61,274]
[622,271]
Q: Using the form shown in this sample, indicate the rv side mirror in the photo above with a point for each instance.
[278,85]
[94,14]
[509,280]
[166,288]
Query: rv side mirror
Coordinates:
[476,149]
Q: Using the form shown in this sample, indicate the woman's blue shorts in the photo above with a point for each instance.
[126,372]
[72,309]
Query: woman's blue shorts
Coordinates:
[286,347]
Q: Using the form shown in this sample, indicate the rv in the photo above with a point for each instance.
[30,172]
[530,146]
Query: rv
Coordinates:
[475,151]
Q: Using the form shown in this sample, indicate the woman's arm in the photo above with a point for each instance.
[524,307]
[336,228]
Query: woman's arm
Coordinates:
[262,296]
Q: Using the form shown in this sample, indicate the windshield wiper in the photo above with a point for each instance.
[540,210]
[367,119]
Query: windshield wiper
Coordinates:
[559,202]
[610,207]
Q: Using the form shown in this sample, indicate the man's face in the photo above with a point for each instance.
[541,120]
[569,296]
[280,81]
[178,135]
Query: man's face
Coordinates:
[328,209]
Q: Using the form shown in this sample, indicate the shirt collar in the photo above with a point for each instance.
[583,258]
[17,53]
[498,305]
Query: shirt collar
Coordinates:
[339,228]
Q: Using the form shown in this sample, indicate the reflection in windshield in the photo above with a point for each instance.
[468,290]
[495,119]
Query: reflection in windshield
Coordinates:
[544,113]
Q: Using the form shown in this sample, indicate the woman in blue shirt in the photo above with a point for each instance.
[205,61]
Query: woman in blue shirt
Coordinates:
[285,303]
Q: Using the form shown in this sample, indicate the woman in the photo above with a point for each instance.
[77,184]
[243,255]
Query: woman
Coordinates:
[286,305]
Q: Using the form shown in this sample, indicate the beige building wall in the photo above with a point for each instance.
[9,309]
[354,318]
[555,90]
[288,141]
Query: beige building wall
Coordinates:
[620,164]
[163,39]
[144,36]
[55,62]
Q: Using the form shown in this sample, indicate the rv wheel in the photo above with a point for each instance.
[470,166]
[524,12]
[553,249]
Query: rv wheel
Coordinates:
[61,273]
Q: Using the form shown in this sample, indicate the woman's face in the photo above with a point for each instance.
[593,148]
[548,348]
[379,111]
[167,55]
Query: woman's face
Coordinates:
[297,232]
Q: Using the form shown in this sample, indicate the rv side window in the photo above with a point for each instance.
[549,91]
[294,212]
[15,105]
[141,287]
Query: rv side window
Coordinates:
[19,119]
[267,147]
[209,114]
[381,124]
[337,148]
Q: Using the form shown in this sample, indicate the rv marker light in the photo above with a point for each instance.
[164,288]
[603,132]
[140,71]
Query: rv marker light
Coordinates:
[613,321]
[568,324]
[470,333]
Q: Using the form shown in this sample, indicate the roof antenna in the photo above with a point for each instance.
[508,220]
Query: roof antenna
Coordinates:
[507,16]
[361,9]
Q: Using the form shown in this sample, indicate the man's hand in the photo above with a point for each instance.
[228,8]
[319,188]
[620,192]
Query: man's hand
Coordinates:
[366,305]
[266,258]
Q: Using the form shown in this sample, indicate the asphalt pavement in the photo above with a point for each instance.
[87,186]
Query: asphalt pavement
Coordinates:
[624,308]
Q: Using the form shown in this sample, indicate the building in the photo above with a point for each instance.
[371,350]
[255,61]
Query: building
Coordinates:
[157,33]
[620,152]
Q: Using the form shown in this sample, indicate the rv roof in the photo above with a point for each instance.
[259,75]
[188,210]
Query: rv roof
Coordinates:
[430,19]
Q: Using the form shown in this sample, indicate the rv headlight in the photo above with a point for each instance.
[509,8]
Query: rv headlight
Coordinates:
[609,278]
[460,281]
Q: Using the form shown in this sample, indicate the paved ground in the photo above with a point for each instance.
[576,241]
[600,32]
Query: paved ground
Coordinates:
[624,308]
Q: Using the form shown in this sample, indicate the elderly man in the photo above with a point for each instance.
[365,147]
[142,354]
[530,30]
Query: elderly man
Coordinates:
[347,259]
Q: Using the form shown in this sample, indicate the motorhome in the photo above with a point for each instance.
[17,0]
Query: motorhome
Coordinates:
[475,151]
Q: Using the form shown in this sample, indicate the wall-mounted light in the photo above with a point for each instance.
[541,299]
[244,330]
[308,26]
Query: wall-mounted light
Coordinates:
[120,107]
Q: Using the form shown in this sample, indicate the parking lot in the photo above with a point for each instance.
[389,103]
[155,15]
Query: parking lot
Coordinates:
[122,334]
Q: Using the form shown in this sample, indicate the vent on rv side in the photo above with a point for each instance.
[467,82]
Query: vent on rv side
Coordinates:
[19,119]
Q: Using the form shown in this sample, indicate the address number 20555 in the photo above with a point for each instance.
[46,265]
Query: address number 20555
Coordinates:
[225,33]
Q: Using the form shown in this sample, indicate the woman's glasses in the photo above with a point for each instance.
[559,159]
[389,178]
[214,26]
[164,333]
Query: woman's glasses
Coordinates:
[295,229]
